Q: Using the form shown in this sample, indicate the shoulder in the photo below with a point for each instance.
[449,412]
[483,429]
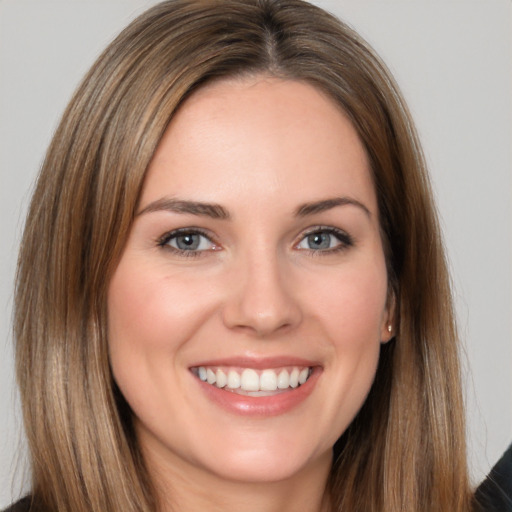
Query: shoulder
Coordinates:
[494,494]
[20,506]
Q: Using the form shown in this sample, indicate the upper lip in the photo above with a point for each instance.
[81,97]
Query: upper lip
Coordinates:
[258,363]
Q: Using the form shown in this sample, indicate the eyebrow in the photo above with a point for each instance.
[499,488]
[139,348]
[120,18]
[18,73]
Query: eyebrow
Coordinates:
[215,211]
[328,204]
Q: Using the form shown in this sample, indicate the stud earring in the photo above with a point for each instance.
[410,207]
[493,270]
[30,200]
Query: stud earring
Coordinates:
[390,328]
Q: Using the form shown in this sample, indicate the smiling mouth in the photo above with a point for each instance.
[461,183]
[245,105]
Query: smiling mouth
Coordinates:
[251,382]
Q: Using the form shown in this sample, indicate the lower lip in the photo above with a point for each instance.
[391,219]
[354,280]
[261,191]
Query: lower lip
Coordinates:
[261,405]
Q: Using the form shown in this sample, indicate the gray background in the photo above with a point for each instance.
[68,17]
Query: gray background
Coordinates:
[453,62]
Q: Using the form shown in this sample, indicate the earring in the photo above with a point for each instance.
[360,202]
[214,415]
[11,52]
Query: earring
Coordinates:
[390,328]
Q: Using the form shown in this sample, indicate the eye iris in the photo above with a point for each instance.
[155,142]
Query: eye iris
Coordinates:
[319,241]
[188,242]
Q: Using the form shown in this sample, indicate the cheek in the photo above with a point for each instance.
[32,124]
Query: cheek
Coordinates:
[354,315]
[151,316]
[353,304]
[149,309]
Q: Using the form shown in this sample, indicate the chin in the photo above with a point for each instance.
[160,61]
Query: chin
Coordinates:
[266,463]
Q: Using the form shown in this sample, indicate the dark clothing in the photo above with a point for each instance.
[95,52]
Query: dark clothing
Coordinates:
[493,495]
[20,506]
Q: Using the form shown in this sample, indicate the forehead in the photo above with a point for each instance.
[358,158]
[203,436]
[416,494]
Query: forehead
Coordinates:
[259,137]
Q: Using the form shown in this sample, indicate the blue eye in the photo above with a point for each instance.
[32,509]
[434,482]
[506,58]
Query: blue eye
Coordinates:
[326,240]
[186,241]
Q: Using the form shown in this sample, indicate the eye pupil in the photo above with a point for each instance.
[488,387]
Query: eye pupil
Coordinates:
[187,242]
[319,241]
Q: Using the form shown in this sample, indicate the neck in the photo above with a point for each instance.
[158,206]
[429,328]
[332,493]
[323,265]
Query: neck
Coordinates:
[186,488]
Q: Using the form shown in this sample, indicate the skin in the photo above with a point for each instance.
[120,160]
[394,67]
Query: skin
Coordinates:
[260,148]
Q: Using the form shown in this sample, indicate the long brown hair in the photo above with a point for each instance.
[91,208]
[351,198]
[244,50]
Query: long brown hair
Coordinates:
[406,449]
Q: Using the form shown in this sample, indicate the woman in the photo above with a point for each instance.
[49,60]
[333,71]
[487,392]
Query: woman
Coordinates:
[235,281]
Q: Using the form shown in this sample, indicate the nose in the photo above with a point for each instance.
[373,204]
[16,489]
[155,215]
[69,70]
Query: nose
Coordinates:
[261,300]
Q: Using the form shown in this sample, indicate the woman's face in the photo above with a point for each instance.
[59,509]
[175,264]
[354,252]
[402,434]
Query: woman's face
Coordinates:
[248,307]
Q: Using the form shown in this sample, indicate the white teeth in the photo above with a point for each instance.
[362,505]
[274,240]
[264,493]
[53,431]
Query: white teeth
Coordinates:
[233,380]
[303,376]
[221,379]
[283,379]
[268,380]
[250,380]
[294,378]
[210,376]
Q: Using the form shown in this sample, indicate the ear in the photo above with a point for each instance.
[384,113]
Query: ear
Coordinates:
[388,327]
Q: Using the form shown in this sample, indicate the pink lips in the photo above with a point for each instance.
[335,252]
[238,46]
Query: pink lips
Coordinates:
[259,363]
[272,405]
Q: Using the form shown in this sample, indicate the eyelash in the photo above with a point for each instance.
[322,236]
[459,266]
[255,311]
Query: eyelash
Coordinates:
[344,239]
[166,238]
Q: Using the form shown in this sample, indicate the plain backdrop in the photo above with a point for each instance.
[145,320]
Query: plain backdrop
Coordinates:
[453,61]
